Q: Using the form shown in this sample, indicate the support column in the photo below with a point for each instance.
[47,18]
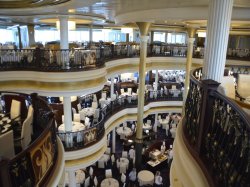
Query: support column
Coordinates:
[144,27]
[237,42]
[72,178]
[191,37]
[152,37]
[64,39]
[156,80]
[19,38]
[156,118]
[220,12]
[113,140]
[67,111]
[31,35]
[127,37]
[64,43]
[90,34]
[112,87]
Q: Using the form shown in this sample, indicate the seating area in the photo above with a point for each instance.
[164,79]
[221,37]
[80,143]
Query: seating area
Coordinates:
[113,169]
[15,129]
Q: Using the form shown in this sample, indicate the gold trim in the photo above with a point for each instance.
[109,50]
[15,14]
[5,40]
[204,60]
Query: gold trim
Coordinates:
[71,163]
[123,67]
[52,86]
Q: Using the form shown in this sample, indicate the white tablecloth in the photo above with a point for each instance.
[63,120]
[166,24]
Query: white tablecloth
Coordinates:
[110,182]
[103,161]
[124,162]
[145,177]
[124,130]
[80,176]
[88,111]
[75,127]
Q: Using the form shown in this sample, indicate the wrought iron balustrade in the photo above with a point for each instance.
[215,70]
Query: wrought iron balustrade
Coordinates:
[78,140]
[217,131]
[81,59]
[34,165]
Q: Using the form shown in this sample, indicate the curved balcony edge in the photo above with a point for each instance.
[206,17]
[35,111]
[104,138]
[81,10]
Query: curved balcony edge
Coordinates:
[86,161]
[120,117]
[185,171]
[59,166]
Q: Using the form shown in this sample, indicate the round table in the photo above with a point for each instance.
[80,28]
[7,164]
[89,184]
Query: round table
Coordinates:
[76,126]
[124,130]
[145,177]
[110,182]
[80,176]
[88,111]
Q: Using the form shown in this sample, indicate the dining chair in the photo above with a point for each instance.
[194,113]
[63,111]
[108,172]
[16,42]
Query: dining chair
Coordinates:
[87,182]
[108,173]
[26,132]
[95,181]
[123,178]
[124,154]
[94,105]
[77,118]
[15,110]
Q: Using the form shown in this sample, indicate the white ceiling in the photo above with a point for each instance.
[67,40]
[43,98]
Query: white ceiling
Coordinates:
[175,13]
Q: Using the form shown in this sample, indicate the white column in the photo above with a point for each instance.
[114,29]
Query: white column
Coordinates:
[64,39]
[67,113]
[219,18]
[156,118]
[112,87]
[113,140]
[156,79]
[72,178]
[142,70]
[188,66]
[91,33]
[31,34]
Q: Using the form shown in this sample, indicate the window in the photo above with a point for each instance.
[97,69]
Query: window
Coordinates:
[6,36]
[159,36]
[176,38]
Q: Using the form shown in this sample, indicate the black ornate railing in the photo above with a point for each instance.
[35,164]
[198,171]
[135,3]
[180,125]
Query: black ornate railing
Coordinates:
[81,59]
[33,166]
[218,134]
[78,140]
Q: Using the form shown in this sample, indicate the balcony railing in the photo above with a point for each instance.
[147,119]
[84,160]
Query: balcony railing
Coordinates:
[80,59]
[34,165]
[217,132]
[81,139]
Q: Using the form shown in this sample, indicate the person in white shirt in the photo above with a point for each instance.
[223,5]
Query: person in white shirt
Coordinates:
[158,179]
[132,177]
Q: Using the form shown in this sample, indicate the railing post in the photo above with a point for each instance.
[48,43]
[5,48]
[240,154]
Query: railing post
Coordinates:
[206,109]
